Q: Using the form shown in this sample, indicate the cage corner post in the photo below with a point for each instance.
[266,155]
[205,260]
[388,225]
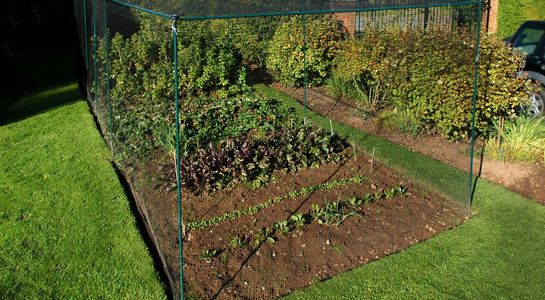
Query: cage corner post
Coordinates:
[85,36]
[305,72]
[478,28]
[95,68]
[178,180]
[107,75]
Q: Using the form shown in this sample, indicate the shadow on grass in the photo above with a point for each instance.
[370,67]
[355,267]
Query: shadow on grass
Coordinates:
[40,102]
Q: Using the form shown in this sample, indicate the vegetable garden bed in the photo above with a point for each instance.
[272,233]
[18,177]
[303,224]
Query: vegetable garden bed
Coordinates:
[337,217]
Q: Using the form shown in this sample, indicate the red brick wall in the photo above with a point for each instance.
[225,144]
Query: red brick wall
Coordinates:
[490,18]
[349,21]
[493,16]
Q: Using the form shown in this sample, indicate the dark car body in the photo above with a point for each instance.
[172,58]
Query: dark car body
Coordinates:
[530,38]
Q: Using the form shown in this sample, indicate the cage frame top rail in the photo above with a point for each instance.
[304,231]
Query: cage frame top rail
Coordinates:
[375,7]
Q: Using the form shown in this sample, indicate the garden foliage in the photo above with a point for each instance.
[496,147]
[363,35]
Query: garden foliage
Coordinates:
[253,158]
[423,80]
[210,121]
[519,140]
[229,135]
[252,36]
[285,54]
[142,85]
[426,78]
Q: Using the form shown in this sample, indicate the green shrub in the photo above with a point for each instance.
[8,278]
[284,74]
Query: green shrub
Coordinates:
[211,121]
[431,74]
[520,140]
[251,37]
[142,87]
[285,53]
[361,69]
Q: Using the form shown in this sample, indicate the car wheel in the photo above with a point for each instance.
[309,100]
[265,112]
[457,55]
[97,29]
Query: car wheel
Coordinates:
[537,102]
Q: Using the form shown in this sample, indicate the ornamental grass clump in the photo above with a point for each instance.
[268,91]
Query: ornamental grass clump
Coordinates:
[519,140]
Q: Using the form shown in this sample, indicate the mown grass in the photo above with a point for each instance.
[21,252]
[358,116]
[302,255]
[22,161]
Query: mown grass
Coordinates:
[66,226]
[512,13]
[498,253]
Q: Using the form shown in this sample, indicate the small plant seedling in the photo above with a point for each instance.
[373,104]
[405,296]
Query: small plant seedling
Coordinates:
[208,254]
[337,248]
[238,242]
[316,211]
[401,190]
[282,226]
[354,201]
[368,198]
[389,193]
[298,220]
[333,207]
[264,235]
[333,214]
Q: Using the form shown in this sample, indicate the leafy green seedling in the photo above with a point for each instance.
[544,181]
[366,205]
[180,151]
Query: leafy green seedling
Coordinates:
[238,242]
[354,201]
[264,235]
[298,220]
[282,226]
[389,193]
[316,211]
[401,190]
[208,254]
[334,214]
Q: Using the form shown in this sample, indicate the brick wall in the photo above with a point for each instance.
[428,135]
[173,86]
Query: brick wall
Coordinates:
[348,19]
[491,16]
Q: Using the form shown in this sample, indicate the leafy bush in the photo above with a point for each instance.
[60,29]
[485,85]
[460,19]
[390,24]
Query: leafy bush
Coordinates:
[142,78]
[208,121]
[285,53]
[251,37]
[253,160]
[430,74]
[361,69]
[521,140]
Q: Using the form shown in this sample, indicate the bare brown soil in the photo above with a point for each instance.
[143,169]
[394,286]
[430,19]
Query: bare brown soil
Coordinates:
[303,256]
[524,178]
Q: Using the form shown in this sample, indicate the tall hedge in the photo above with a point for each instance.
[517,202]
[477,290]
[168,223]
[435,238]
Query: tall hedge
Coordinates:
[285,58]
[429,75]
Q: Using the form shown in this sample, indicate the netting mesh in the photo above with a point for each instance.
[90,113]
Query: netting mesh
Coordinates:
[260,151]
[214,9]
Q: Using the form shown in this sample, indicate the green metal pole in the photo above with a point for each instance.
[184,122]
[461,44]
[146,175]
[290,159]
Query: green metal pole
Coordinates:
[474,108]
[178,183]
[85,41]
[305,67]
[107,67]
[95,77]
[426,17]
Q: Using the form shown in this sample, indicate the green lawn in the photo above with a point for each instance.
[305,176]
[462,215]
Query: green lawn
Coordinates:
[66,227]
[499,253]
[67,231]
[512,13]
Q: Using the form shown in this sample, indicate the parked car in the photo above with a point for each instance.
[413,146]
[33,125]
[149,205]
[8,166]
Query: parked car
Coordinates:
[530,38]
